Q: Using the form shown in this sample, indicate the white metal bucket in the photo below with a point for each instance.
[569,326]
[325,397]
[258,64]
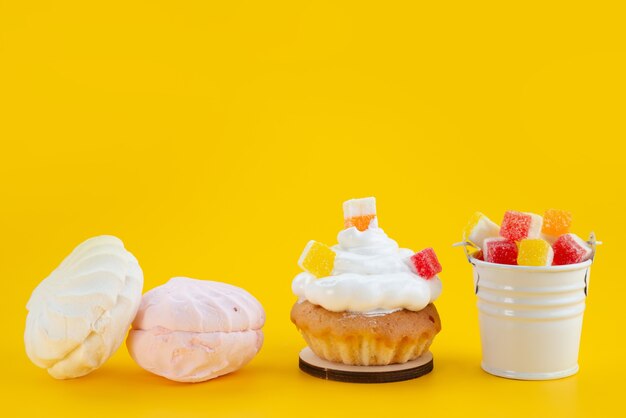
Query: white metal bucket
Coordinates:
[530,318]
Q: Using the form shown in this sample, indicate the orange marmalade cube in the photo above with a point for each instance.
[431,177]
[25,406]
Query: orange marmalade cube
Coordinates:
[556,222]
[360,222]
[359,212]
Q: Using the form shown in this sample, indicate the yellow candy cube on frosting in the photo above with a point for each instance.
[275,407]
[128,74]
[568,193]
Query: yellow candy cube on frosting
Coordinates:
[317,259]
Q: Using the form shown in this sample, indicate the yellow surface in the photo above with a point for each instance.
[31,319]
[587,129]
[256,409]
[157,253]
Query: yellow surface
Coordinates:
[217,138]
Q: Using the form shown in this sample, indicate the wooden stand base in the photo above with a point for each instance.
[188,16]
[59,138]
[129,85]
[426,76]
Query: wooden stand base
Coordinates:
[315,366]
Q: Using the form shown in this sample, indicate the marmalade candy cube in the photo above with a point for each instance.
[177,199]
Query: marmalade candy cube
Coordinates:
[534,252]
[500,251]
[317,259]
[359,212]
[556,222]
[519,225]
[479,228]
[425,263]
[570,249]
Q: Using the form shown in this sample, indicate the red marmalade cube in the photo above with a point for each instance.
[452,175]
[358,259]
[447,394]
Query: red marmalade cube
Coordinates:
[500,251]
[426,264]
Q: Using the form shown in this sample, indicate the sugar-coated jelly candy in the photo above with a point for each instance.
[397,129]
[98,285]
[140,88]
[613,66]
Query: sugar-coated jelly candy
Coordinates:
[570,249]
[534,252]
[556,222]
[500,251]
[519,225]
[425,263]
[317,259]
[359,212]
[480,228]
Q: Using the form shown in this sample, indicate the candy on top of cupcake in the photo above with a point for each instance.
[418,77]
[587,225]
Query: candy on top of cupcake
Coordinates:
[317,259]
[527,239]
[366,271]
[425,263]
[359,213]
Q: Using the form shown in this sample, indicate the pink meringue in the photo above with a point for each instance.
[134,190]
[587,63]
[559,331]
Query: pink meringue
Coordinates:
[191,330]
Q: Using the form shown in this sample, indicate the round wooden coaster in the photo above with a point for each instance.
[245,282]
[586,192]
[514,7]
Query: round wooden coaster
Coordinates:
[315,366]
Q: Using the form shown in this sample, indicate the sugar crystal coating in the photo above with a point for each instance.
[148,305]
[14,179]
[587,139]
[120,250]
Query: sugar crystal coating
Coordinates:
[317,259]
[425,263]
[479,228]
[500,251]
[519,225]
[556,222]
[534,252]
[359,213]
[570,249]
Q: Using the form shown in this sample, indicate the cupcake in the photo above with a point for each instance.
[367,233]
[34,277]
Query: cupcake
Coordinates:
[365,301]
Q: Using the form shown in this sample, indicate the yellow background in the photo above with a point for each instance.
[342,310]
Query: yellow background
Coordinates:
[217,138]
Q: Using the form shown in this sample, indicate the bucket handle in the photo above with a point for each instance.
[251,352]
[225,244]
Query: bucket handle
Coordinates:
[594,244]
[466,244]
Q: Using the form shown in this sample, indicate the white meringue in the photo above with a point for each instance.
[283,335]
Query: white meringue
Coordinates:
[79,315]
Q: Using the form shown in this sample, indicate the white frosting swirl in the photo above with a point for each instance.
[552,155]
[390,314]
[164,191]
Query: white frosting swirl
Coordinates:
[371,275]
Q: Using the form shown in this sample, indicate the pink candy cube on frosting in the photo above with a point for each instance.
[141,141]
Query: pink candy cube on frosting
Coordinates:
[517,226]
[500,251]
[426,264]
[570,249]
